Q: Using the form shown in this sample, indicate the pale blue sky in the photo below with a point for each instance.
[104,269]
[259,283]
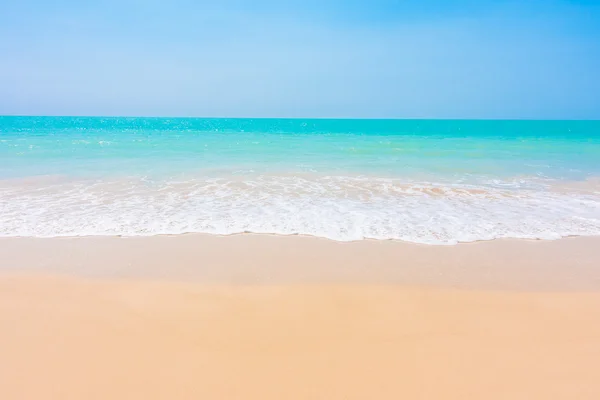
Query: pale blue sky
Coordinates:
[358,59]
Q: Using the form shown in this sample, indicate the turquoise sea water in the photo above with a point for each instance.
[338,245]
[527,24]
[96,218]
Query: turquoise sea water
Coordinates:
[428,181]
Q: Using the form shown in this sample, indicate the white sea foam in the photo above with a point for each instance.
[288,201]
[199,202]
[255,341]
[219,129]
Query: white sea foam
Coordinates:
[338,208]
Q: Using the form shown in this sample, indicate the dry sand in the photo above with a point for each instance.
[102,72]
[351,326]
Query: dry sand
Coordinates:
[261,317]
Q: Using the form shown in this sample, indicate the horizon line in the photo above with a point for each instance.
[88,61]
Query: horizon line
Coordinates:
[301,118]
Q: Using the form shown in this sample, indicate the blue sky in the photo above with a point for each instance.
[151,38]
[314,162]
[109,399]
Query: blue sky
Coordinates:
[357,59]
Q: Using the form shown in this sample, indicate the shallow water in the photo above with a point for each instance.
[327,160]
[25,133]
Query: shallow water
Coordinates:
[429,181]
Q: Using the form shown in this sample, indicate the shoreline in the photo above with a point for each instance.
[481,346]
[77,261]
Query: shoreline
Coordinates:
[295,235]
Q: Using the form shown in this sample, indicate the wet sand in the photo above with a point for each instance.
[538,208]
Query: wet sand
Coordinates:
[264,317]
[568,264]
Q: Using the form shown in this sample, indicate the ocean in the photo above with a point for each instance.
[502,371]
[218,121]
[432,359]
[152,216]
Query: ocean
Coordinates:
[423,181]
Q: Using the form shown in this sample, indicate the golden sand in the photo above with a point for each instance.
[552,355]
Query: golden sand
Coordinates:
[264,328]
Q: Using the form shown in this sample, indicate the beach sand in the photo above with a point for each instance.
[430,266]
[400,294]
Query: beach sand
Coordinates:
[267,317]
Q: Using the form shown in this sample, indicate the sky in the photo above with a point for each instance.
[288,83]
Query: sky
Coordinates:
[313,58]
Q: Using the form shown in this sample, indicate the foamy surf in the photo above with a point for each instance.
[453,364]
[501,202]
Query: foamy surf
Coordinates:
[342,208]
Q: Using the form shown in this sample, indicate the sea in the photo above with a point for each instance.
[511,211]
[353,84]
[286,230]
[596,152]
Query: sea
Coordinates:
[437,182]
